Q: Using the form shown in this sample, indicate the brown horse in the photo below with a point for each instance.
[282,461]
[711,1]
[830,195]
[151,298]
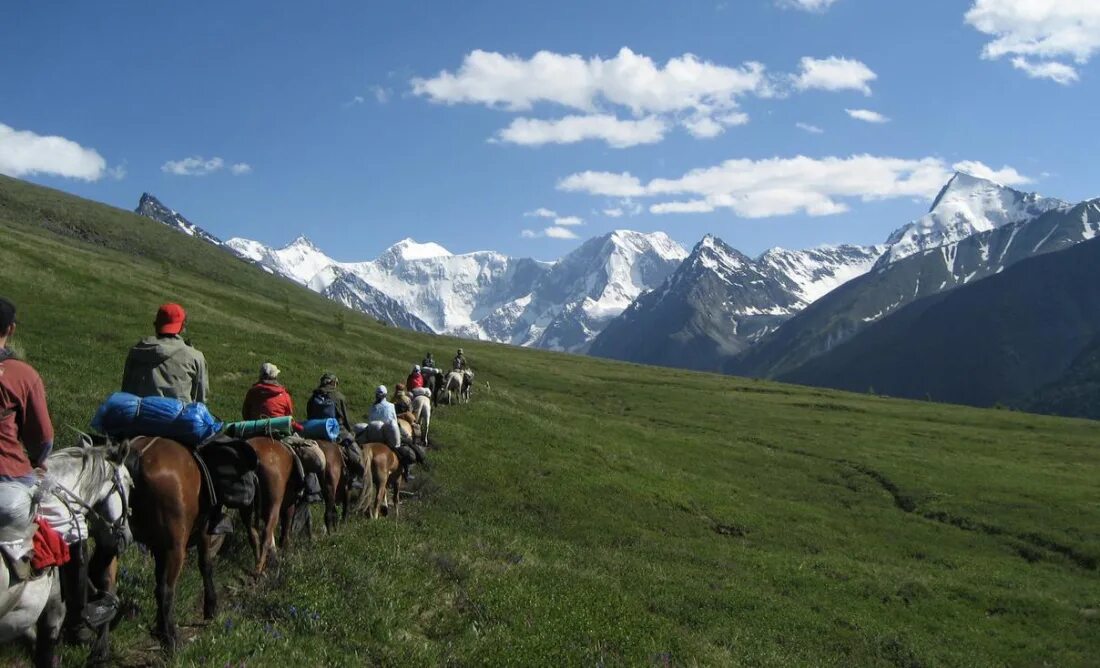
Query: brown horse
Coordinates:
[334,486]
[276,498]
[171,508]
[385,470]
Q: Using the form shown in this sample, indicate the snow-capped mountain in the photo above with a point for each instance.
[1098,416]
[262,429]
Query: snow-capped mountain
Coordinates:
[151,207]
[485,295]
[888,287]
[966,206]
[720,301]
[351,291]
[575,299]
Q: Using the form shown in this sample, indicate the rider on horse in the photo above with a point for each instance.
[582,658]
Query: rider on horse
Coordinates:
[267,398]
[26,438]
[329,402]
[460,363]
[429,362]
[165,365]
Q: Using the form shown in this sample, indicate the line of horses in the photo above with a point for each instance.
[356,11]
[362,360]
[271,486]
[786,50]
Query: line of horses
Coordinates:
[153,490]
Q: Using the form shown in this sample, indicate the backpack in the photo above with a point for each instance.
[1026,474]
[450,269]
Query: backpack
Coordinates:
[321,406]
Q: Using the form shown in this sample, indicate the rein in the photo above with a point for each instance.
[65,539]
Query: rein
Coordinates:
[68,498]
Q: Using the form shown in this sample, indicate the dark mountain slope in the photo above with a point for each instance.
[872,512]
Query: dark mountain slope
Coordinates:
[996,340]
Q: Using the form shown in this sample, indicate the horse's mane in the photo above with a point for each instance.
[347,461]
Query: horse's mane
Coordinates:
[80,470]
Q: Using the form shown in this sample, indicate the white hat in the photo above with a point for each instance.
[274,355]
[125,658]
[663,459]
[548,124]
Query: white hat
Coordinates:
[416,368]
[381,391]
[269,370]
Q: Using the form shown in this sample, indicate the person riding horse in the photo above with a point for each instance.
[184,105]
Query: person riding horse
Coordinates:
[329,402]
[26,439]
[384,415]
[429,362]
[460,363]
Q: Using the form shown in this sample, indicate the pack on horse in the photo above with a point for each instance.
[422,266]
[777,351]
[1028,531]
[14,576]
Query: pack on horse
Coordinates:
[176,492]
[83,483]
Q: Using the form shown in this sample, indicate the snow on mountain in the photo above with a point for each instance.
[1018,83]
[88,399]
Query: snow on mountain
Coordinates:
[151,207]
[351,291]
[299,260]
[719,301]
[966,206]
[576,297]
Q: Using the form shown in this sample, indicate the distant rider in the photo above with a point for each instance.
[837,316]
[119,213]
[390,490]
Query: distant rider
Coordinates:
[429,362]
[460,362]
[329,402]
[26,439]
[415,380]
[165,365]
[267,398]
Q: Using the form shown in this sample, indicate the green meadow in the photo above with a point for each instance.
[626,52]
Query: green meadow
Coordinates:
[580,511]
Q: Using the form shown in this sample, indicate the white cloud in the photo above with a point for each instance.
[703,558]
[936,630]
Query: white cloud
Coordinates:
[614,212]
[1005,175]
[568,221]
[572,129]
[559,233]
[806,5]
[553,232]
[24,153]
[783,186]
[1040,34]
[541,212]
[118,172]
[834,74]
[381,94]
[704,93]
[812,129]
[199,166]
[867,116]
[1057,72]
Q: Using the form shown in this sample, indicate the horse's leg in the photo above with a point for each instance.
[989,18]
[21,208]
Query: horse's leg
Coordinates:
[395,482]
[206,568]
[331,483]
[48,626]
[380,484]
[104,577]
[74,588]
[250,518]
[169,564]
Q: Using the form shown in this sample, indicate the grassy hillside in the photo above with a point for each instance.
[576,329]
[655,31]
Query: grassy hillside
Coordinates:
[584,511]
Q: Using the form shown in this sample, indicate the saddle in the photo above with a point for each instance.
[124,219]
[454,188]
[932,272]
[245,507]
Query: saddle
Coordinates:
[228,468]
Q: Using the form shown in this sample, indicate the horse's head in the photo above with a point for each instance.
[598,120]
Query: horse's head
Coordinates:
[107,485]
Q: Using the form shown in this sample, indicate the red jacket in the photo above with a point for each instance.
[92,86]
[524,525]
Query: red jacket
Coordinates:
[415,380]
[26,433]
[267,400]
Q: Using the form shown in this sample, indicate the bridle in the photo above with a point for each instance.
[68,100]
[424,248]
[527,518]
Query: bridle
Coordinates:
[117,527]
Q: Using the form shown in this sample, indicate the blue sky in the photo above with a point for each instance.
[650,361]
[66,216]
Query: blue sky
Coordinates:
[338,125]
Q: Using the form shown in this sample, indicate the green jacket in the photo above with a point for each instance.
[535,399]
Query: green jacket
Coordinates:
[165,366]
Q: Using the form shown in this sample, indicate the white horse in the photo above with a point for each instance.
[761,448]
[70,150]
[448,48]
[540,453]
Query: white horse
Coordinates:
[81,481]
[467,385]
[452,386]
[422,408]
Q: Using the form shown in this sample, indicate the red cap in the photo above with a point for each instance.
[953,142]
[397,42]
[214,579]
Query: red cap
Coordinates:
[170,319]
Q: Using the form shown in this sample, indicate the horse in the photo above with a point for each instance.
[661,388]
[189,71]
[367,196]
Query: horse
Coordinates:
[453,386]
[82,481]
[172,507]
[467,385]
[422,409]
[276,497]
[435,382]
[334,484]
[385,469]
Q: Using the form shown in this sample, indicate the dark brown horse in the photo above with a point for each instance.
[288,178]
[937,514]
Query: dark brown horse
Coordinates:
[171,508]
[276,498]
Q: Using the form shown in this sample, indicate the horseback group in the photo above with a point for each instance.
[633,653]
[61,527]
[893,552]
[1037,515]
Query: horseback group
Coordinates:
[166,470]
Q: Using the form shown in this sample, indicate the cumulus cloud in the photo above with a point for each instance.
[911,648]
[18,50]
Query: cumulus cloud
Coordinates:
[812,129]
[806,5]
[783,186]
[541,212]
[1040,35]
[199,166]
[552,232]
[572,129]
[24,153]
[867,116]
[614,212]
[701,95]
[834,74]
[568,221]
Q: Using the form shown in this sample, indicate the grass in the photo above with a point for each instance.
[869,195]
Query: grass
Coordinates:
[584,511]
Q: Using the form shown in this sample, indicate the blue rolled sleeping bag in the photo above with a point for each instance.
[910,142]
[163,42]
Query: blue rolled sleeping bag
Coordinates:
[324,429]
[125,415]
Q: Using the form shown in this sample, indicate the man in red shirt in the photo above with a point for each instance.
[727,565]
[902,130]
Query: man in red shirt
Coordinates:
[415,380]
[267,398]
[26,436]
